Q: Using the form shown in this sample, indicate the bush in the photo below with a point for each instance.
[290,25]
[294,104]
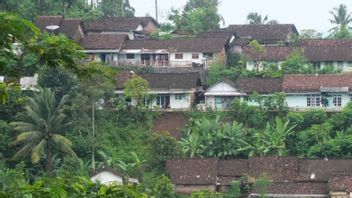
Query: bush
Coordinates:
[206,194]
[164,188]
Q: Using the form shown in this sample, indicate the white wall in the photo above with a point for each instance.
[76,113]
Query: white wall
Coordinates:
[106,177]
[185,103]
[187,59]
[300,101]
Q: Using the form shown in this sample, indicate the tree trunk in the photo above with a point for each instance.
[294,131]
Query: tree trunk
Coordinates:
[49,158]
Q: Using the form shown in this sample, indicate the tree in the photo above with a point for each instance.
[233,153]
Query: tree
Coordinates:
[116,8]
[164,188]
[295,63]
[272,140]
[255,18]
[341,18]
[41,130]
[136,88]
[310,34]
[197,16]
[257,53]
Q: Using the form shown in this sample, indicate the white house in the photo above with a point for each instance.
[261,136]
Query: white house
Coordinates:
[108,176]
[320,52]
[325,91]
[221,95]
[180,52]
[168,91]
[330,92]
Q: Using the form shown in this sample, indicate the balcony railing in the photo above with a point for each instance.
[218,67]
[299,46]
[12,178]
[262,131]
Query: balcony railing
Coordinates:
[157,63]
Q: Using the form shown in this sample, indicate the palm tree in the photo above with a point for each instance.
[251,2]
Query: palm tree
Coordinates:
[341,18]
[255,18]
[45,121]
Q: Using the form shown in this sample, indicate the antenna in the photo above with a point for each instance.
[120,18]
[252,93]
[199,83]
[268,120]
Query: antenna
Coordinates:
[156,10]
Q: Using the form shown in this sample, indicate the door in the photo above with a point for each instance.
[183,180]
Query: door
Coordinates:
[163,101]
[218,102]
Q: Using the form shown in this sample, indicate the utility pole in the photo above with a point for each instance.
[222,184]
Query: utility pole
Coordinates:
[93,136]
[123,7]
[156,10]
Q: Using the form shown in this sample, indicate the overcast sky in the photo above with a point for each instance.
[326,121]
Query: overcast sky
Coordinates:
[305,14]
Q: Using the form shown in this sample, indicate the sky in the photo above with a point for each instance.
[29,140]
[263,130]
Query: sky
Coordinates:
[305,14]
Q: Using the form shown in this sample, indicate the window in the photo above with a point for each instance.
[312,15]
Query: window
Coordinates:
[178,56]
[316,65]
[195,56]
[336,100]
[313,101]
[340,65]
[208,56]
[130,56]
[180,96]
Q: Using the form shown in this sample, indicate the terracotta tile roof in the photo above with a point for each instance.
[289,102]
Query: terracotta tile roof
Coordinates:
[279,169]
[312,53]
[180,44]
[289,175]
[325,42]
[264,33]
[341,183]
[260,85]
[103,41]
[67,26]
[313,83]
[163,81]
[298,188]
[117,23]
[194,171]
[323,170]
[173,80]
[235,168]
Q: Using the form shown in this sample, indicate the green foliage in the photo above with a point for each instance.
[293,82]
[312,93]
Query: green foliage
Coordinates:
[310,34]
[164,188]
[341,18]
[163,146]
[217,73]
[42,128]
[257,53]
[295,63]
[114,8]
[197,16]
[272,140]
[255,18]
[235,190]
[136,88]
[58,51]
[211,138]
[261,186]
[250,116]
[206,194]
[160,35]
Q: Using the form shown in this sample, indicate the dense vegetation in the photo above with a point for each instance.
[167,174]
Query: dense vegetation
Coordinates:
[53,138]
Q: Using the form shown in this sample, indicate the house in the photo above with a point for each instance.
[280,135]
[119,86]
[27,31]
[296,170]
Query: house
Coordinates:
[221,95]
[328,91]
[320,52]
[108,176]
[179,52]
[70,27]
[174,91]
[134,27]
[289,176]
[267,35]
[103,47]
[264,33]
